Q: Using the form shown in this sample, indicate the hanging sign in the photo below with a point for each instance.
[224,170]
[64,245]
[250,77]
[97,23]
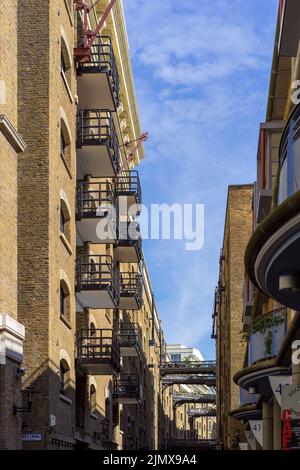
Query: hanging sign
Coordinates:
[277,382]
[256,427]
[290,417]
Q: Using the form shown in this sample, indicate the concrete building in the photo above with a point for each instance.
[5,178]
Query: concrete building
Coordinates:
[80,333]
[230,347]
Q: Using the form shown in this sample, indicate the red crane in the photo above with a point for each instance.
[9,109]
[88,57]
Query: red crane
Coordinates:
[83,53]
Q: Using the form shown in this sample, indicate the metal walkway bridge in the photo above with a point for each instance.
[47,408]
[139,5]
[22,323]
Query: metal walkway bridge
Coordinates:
[179,398]
[209,380]
[202,413]
[192,444]
[187,367]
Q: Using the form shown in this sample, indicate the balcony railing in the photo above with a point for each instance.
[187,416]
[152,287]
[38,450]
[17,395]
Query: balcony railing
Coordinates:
[127,389]
[247,398]
[131,293]
[289,180]
[266,334]
[95,128]
[130,339]
[96,275]
[103,62]
[128,184]
[98,351]
[95,201]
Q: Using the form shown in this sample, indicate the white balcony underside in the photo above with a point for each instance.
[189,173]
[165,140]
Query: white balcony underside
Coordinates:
[127,401]
[95,299]
[94,160]
[126,254]
[95,368]
[94,91]
[128,303]
[129,351]
[87,231]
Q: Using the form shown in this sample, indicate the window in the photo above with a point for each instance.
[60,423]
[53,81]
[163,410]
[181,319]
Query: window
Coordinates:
[175,357]
[65,141]
[62,301]
[64,376]
[65,62]
[64,220]
[64,295]
[93,399]
[63,145]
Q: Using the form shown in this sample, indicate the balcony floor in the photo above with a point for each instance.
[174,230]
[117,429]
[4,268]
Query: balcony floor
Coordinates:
[96,299]
[87,231]
[129,351]
[95,91]
[129,302]
[94,160]
[126,254]
[95,367]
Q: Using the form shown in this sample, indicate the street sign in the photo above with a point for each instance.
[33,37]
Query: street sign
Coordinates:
[30,437]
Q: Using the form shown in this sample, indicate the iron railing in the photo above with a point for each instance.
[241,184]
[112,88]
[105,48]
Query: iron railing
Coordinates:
[127,386]
[132,286]
[266,334]
[97,272]
[128,184]
[103,60]
[96,127]
[95,199]
[98,345]
[130,335]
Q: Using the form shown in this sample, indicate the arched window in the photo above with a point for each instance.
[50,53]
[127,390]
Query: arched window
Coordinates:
[64,300]
[65,218]
[93,398]
[64,377]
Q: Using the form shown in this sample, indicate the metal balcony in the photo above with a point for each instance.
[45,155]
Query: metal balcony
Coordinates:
[97,282]
[98,152]
[98,352]
[128,189]
[127,389]
[98,80]
[96,212]
[128,248]
[187,367]
[131,291]
[266,335]
[130,339]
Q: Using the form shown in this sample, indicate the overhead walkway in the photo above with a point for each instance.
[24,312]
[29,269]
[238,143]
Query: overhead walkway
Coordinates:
[191,444]
[209,380]
[202,413]
[179,398]
[187,367]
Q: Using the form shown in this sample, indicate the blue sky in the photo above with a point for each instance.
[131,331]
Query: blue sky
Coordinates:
[201,71]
